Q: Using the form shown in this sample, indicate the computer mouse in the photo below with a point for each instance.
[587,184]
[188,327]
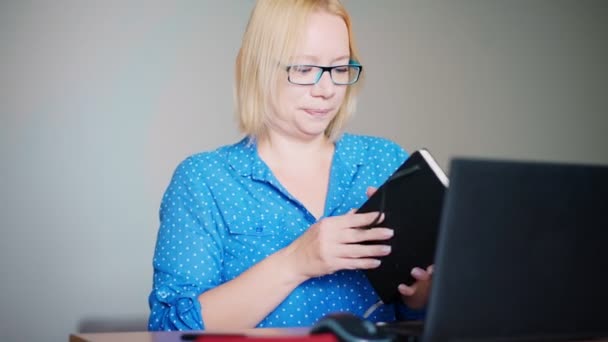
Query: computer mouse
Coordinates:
[348,327]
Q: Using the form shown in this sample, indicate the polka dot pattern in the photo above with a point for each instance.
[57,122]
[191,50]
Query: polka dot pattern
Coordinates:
[224,211]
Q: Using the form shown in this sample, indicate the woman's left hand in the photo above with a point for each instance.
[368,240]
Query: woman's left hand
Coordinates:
[416,295]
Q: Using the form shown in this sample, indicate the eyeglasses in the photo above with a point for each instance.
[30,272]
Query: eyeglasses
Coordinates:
[311,74]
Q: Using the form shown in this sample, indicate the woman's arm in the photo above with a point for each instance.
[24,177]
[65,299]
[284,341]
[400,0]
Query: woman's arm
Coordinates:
[327,246]
[247,299]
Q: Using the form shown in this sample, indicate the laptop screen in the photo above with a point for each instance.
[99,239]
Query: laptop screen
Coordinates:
[522,251]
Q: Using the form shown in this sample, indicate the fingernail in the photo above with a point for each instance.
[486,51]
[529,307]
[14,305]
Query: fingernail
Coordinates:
[389,232]
[376,263]
[417,272]
[386,249]
[406,290]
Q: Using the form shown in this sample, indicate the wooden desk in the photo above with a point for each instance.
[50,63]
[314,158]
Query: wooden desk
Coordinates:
[174,336]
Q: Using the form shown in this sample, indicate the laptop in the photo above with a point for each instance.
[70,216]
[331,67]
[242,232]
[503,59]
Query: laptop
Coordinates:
[522,254]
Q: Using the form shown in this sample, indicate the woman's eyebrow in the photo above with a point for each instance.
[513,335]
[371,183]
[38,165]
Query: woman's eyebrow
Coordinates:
[341,58]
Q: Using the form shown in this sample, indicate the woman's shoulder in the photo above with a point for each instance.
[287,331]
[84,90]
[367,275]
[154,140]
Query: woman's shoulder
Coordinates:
[214,159]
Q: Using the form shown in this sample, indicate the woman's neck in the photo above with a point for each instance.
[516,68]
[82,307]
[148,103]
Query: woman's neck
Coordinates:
[275,148]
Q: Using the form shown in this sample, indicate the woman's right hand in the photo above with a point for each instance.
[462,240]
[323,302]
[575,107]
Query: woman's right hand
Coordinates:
[334,243]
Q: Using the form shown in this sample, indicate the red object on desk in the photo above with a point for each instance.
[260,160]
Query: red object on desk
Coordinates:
[240,338]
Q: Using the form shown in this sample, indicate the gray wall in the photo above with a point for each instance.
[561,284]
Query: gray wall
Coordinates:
[101,99]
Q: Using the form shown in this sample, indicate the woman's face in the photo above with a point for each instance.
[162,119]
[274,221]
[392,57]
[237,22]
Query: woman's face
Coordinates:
[305,111]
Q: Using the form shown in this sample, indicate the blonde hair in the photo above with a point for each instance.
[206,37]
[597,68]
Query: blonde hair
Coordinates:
[270,38]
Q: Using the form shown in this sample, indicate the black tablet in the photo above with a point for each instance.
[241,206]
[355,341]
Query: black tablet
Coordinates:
[411,200]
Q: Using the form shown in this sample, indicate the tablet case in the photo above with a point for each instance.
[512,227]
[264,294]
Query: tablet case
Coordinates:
[411,200]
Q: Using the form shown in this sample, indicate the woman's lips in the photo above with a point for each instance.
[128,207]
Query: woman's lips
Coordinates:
[317,112]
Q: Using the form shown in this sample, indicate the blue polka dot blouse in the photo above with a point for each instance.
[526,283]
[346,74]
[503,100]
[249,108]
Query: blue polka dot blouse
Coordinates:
[224,211]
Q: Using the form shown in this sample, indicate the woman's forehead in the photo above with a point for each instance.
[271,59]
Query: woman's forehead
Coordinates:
[324,38]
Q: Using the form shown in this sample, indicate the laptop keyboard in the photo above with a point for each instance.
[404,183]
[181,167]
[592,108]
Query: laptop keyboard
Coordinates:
[405,331]
[411,331]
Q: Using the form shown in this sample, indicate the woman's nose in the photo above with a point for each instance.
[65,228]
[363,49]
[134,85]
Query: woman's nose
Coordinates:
[325,86]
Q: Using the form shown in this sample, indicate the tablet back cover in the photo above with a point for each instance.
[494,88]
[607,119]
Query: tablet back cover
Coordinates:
[411,200]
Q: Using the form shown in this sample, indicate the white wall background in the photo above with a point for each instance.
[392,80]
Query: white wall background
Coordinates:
[99,101]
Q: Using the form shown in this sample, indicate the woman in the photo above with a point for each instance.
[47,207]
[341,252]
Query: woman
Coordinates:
[263,233]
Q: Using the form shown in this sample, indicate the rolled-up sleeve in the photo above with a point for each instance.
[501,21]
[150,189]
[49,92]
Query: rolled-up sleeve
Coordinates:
[187,257]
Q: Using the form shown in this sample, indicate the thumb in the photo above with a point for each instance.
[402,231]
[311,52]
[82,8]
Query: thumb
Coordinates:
[370,191]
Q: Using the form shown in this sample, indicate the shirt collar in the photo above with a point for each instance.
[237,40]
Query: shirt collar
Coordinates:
[244,159]
[350,153]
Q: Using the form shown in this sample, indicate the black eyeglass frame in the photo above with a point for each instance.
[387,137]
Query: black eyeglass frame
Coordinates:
[323,70]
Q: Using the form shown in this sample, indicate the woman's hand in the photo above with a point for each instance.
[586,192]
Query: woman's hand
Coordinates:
[415,296]
[334,243]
